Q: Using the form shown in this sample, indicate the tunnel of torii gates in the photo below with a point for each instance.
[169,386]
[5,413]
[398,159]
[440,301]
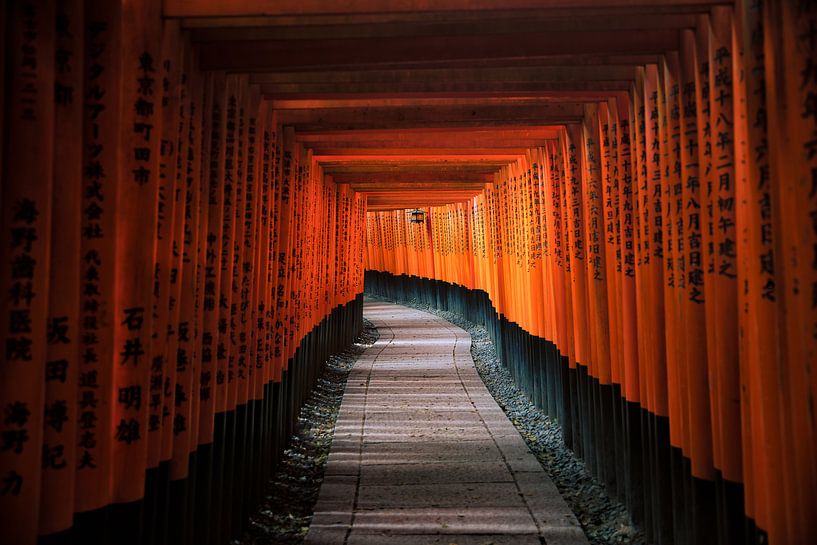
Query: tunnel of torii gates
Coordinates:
[624,193]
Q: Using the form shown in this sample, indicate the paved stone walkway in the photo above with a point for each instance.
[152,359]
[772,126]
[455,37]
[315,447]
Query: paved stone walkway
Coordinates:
[422,454]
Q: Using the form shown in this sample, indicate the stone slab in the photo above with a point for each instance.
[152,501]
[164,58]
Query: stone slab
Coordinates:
[460,520]
[449,539]
[422,454]
[435,473]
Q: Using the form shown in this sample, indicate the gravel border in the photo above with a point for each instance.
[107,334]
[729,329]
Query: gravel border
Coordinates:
[284,515]
[604,519]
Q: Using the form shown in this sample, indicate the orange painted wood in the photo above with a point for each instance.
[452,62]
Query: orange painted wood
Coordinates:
[180,118]
[653,246]
[185,358]
[235,375]
[693,367]
[211,391]
[558,159]
[223,344]
[611,233]
[675,227]
[286,197]
[631,379]
[98,268]
[264,260]
[245,247]
[276,293]
[722,122]
[188,8]
[62,363]
[596,266]
[165,235]
[202,246]
[28,161]
[574,197]
[641,223]
[790,86]
[137,181]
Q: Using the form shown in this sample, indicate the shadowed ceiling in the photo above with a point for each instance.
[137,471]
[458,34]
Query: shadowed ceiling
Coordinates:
[421,102]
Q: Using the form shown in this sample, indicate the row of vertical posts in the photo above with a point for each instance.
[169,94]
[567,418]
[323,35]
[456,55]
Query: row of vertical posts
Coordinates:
[175,270]
[665,247]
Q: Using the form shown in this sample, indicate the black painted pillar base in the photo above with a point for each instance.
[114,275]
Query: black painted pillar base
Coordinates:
[226,477]
[624,446]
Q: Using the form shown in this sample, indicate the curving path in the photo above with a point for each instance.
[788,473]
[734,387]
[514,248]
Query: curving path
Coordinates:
[422,454]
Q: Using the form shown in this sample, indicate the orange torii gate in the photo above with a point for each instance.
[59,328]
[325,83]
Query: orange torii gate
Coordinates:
[670,270]
[164,320]
[624,194]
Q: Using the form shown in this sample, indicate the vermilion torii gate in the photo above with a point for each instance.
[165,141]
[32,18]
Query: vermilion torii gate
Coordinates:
[192,190]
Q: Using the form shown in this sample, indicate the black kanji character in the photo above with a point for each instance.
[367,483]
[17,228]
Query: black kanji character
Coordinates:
[143,108]
[56,414]
[141,175]
[88,400]
[24,237]
[141,154]
[134,318]
[14,440]
[56,370]
[145,85]
[144,129]
[53,457]
[179,424]
[94,170]
[132,349]
[87,420]
[93,212]
[131,397]
[23,266]
[63,94]
[181,395]
[58,330]
[12,484]
[88,380]
[87,460]
[18,349]
[25,210]
[16,413]
[127,431]
[20,321]
[146,62]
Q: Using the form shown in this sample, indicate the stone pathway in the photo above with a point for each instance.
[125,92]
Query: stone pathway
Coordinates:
[422,454]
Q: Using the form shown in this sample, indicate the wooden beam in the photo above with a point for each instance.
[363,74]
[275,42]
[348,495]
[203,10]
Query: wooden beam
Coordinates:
[245,8]
[415,176]
[467,137]
[336,19]
[415,196]
[460,80]
[438,88]
[456,141]
[435,168]
[481,99]
[442,185]
[419,117]
[584,59]
[497,23]
[388,203]
[408,160]
[276,55]
[475,75]
[322,153]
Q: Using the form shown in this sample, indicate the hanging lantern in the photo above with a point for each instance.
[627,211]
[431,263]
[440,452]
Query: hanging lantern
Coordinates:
[417,216]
